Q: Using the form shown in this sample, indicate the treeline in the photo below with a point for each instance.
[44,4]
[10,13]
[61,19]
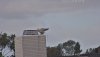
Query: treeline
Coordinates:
[93,50]
[68,48]
[63,49]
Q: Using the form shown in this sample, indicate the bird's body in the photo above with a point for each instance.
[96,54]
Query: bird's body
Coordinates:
[42,30]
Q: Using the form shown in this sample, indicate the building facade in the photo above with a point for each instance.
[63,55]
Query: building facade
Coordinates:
[31,44]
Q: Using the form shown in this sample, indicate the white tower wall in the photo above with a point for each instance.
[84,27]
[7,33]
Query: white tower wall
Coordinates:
[30,46]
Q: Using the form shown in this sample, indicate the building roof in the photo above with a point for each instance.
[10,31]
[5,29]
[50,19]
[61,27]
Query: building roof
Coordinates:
[30,32]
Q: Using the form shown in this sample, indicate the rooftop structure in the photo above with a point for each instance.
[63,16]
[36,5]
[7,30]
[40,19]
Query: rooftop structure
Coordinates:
[30,32]
[35,32]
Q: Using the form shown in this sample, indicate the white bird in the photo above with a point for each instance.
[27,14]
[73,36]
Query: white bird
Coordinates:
[42,30]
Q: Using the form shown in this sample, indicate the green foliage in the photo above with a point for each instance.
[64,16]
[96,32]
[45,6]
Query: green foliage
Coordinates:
[0,54]
[91,51]
[70,48]
[59,48]
[77,49]
[69,43]
[12,43]
[7,41]
[54,51]
[4,41]
[87,52]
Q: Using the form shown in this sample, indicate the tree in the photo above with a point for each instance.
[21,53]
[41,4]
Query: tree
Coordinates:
[1,54]
[69,47]
[12,43]
[72,48]
[3,41]
[91,51]
[69,43]
[55,51]
[6,41]
[87,52]
[77,49]
[59,48]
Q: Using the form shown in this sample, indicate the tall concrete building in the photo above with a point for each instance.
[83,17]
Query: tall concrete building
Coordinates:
[31,44]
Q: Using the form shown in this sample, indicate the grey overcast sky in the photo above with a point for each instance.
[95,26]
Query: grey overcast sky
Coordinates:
[77,20]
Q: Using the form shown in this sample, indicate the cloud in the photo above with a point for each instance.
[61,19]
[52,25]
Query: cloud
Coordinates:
[20,9]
